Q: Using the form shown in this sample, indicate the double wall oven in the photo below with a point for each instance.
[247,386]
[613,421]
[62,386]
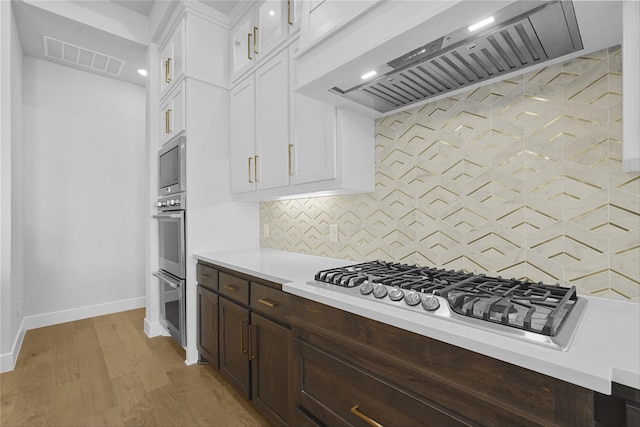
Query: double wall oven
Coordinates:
[171,217]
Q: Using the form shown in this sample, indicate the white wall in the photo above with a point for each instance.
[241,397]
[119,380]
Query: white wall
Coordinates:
[11,224]
[84,193]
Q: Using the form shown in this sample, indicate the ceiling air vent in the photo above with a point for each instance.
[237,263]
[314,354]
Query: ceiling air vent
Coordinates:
[80,56]
[523,34]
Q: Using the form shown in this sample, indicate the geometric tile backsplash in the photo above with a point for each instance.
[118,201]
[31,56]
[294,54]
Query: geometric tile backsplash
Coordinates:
[521,178]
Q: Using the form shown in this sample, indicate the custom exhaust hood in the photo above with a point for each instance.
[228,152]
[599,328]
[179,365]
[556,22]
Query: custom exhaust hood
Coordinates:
[513,38]
[508,39]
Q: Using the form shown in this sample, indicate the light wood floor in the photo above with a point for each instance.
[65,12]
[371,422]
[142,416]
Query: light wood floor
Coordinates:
[105,371]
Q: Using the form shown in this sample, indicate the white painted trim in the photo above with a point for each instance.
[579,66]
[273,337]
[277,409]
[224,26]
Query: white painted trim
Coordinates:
[56,317]
[8,360]
[155,329]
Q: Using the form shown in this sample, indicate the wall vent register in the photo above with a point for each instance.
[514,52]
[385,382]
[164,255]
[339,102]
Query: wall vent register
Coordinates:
[518,36]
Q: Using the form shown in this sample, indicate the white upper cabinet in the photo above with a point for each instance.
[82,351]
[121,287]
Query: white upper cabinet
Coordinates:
[172,113]
[172,59]
[242,55]
[260,128]
[243,137]
[271,26]
[272,122]
[292,145]
[195,48]
[313,140]
[261,30]
[321,18]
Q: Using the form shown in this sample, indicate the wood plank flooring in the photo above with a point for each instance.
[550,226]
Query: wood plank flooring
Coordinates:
[105,371]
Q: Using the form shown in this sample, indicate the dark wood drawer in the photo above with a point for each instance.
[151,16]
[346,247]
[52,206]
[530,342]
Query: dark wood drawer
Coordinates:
[234,287]
[271,302]
[337,393]
[207,277]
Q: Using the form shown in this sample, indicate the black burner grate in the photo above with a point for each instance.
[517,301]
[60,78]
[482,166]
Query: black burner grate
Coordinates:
[534,307]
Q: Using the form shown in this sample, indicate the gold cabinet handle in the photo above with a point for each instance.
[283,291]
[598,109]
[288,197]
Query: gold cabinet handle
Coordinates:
[230,288]
[252,344]
[289,12]
[290,149]
[267,302]
[370,421]
[242,350]
[249,170]
[255,40]
[249,46]
[255,168]
[167,121]
[167,70]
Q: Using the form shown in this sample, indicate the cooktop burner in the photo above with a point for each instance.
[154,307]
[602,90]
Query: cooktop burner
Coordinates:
[536,312]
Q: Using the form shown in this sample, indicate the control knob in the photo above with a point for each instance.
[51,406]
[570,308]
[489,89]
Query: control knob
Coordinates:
[412,298]
[366,288]
[379,291]
[396,294]
[430,303]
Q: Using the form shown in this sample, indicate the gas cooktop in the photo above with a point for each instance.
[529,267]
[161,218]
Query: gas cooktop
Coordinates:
[534,312]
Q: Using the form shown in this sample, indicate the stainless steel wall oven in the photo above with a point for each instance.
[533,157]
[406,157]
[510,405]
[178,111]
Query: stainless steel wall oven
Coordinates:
[171,217]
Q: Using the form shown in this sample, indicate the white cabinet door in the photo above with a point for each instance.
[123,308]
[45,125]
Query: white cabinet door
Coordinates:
[242,49]
[271,26]
[172,59]
[243,150]
[323,17]
[313,140]
[172,114]
[272,122]
[294,13]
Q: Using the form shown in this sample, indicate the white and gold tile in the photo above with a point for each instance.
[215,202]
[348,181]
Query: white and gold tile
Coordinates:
[520,178]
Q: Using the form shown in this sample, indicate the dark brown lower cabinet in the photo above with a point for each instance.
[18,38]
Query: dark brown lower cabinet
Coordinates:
[334,392]
[242,331]
[208,325]
[305,364]
[270,363]
[234,345]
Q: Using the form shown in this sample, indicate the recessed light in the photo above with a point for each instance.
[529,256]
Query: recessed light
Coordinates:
[142,72]
[481,24]
[272,13]
[370,74]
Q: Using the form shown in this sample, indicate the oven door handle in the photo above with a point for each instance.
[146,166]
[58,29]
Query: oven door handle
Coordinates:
[171,216]
[167,280]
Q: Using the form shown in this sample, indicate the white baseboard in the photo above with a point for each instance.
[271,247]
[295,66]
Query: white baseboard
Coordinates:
[62,316]
[8,360]
[155,329]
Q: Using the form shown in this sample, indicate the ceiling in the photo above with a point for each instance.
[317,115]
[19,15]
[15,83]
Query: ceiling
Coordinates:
[121,37]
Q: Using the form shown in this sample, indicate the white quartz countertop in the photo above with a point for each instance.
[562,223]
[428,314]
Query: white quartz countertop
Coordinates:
[605,348]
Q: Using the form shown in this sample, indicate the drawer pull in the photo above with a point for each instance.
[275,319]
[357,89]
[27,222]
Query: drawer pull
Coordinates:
[370,421]
[230,288]
[204,276]
[267,302]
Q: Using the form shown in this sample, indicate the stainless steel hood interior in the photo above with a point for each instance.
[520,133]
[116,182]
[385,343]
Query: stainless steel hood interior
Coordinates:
[523,34]
[401,38]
